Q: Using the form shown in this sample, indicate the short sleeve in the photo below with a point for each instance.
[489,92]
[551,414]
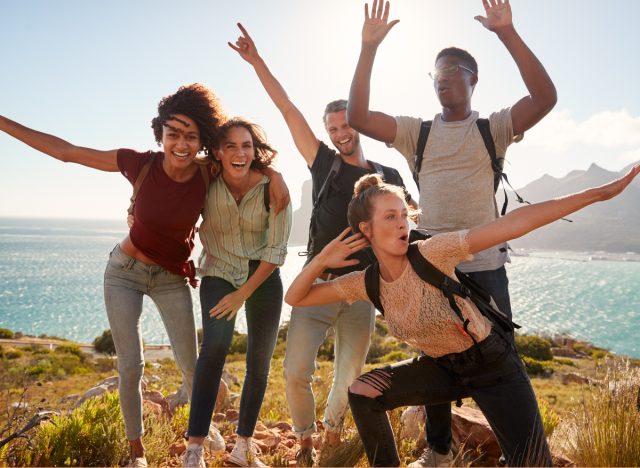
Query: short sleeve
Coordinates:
[130,163]
[351,287]
[406,141]
[501,127]
[446,251]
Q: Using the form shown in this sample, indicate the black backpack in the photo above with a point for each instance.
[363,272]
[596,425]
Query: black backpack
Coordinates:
[467,288]
[321,195]
[496,164]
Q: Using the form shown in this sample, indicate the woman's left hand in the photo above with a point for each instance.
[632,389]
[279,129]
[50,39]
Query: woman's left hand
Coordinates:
[615,187]
[228,306]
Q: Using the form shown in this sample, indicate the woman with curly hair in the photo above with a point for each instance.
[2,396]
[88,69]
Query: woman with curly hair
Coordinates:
[465,355]
[153,259]
[244,243]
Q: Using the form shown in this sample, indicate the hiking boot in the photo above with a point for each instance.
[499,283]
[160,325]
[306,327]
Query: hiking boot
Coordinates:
[138,462]
[306,456]
[432,458]
[194,457]
[245,453]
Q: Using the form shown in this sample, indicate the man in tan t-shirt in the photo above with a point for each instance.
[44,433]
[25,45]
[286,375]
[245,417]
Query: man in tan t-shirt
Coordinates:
[456,178]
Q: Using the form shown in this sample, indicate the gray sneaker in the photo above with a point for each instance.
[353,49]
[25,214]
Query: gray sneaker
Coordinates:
[138,462]
[194,457]
[432,458]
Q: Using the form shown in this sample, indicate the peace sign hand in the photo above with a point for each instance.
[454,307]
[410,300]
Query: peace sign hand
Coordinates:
[245,47]
[498,15]
[376,26]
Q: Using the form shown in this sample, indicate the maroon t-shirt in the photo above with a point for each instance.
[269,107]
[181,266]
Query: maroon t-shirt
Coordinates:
[165,212]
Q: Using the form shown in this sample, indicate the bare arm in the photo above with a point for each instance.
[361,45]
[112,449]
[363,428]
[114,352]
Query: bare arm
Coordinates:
[61,149]
[529,110]
[374,124]
[279,197]
[303,136]
[528,218]
[303,291]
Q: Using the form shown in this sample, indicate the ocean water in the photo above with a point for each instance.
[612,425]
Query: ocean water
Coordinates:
[51,275]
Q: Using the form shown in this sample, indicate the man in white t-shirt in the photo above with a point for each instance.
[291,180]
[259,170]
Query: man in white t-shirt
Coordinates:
[456,177]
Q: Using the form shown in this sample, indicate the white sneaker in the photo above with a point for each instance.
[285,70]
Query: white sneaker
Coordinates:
[245,453]
[432,458]
[214,442]
[138,462]
[194,457]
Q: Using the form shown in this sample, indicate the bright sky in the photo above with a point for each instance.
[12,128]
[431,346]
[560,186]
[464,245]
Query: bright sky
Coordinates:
[93,73]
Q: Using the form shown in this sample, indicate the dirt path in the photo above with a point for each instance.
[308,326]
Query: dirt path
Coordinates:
[151,352]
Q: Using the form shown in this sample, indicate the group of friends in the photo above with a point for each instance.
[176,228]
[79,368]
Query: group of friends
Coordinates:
[221,169]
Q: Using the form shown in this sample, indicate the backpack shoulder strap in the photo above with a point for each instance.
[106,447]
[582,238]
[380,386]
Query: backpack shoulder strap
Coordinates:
[335,167]
[138,183]
[378,168]
[423,136]
[372,284]
[266,196]
[485,132]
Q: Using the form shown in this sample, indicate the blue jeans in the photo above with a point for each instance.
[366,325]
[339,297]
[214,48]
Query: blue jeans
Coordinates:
[490,372]
[263,317]
[308,329]
[438,428]
[126,282]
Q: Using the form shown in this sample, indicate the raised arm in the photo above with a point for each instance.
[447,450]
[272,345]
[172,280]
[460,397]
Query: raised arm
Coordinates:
[374,124]
[303,136]
[61,149]
[519,222]
[529,110]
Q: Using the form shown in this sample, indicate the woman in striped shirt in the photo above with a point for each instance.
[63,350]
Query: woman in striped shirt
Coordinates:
[244,243]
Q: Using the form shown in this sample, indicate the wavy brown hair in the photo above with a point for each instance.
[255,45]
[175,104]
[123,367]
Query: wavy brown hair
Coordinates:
[200,104]
[265,154]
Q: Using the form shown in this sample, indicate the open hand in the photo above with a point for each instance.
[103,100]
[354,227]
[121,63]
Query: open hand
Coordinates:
[245,46]
[498,15]
[279,196]
[228,306]
[376,26]
[335,253]
[615,187]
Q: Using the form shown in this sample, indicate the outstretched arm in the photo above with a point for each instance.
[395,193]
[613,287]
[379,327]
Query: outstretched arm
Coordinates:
[528,218]
[371,123]
[529,110]
[61,149]
[303,136]
[303,291]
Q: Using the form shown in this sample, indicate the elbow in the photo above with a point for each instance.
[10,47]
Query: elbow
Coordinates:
[548,100]
[355,119]
[290,300]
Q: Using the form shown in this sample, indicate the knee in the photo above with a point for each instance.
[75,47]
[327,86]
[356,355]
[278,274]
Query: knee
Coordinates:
[212,352]
[297,373]
[130,372]
[363,389]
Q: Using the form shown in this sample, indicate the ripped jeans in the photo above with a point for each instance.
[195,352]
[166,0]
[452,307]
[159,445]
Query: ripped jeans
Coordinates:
[497,382]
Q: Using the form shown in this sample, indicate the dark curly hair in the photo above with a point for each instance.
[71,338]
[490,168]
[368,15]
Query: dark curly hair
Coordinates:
[265,154]
[197,102]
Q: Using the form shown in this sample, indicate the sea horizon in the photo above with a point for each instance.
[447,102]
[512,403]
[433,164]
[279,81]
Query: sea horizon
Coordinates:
[51,283]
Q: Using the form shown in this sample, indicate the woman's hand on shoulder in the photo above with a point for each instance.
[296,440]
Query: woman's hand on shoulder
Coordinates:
[278,192]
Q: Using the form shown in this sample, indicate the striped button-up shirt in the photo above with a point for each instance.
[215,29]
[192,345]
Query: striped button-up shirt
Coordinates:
[232,234]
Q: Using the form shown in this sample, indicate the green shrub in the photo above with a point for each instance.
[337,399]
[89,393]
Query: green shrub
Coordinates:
[550,418]
[537,368]
[104,343]
[72,349]
[395,356]
[6,333]
[534,347]
[91,435]
[598,354]
[13,353]
[564,361]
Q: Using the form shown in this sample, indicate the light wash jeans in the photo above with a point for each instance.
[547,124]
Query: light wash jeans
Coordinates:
[308,328]
[126,281]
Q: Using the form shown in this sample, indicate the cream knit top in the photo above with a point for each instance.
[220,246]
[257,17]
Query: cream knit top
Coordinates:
[419,313]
